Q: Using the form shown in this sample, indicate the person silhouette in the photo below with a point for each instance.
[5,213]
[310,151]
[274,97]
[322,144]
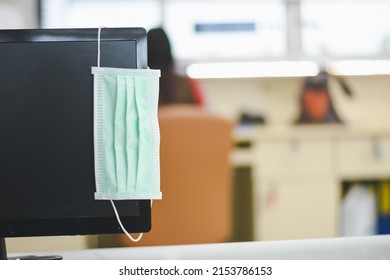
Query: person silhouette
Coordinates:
[174,87]
[315,101]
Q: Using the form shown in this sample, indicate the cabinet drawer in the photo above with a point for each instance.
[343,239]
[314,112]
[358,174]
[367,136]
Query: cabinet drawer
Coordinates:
[364,157]
[293,208]
[294,157]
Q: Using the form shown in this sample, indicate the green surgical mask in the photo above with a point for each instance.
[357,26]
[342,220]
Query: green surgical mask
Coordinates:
[126,133]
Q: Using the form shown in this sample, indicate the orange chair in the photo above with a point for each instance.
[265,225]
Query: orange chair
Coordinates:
[196,180]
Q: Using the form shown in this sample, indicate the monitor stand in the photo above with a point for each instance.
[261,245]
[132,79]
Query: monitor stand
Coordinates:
[3,250]
[3,254]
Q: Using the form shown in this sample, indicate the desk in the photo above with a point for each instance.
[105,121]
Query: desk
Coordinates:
[353,248]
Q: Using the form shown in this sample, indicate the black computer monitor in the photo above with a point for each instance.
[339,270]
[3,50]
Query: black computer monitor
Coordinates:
[47,180]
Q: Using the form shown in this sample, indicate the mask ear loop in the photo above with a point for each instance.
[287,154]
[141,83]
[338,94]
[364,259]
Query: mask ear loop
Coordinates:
[98,54]
[123,228]
[112,202]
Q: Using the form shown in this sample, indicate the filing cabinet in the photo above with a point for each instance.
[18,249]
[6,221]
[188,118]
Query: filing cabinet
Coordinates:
[295,189]
[297,179]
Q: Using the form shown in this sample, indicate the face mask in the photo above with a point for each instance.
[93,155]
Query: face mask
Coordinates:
[127,138]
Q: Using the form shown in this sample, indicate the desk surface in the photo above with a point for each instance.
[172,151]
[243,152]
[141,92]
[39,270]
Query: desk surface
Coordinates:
[351,248]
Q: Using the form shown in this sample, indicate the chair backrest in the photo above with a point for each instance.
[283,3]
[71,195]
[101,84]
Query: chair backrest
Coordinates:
[196,179]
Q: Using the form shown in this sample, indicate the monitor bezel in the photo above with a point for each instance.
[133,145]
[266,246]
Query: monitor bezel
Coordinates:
[81,34]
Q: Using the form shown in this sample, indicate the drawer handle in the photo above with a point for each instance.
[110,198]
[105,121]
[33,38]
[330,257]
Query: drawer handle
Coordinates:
[295,156]
[377,150]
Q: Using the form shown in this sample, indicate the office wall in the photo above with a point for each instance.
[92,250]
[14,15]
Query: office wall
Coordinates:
[46,244]
[277,99]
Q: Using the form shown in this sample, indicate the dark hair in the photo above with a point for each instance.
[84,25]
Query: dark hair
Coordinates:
[160,57]
[318,82]
[159,50]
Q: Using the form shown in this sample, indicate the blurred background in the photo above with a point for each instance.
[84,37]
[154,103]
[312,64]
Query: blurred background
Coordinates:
[252,60]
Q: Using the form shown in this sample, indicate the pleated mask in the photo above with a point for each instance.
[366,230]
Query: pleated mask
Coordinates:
[126,133]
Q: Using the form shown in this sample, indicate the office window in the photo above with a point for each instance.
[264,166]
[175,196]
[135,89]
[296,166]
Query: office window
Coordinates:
[95,13]
[345,28]
[247,29]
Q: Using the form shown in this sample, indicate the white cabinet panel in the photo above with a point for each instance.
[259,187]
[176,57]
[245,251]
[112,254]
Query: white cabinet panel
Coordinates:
[295,189]
[363,157]
[292,157]
[295,208]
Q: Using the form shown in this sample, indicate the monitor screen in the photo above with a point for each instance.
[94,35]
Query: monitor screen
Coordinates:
[47,180]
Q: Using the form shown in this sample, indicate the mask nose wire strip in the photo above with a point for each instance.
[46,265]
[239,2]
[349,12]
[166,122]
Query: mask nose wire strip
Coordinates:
[123,228]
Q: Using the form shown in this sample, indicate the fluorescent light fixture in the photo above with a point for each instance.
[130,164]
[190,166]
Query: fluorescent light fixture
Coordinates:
[359,67]
[252,69]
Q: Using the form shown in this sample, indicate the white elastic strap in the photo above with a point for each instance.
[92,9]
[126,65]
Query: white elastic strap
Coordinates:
[98,56]
[122,227]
